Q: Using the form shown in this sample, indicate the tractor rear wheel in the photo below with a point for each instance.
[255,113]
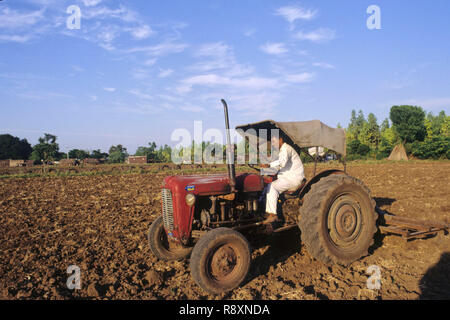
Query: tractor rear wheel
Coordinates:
[220,260]
[161,246]
[338,220]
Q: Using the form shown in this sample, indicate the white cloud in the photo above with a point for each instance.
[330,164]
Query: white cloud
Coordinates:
[215,49]
[141,32]
[164,73]
[107,36]
[250,32]
[274,48]
[42,95]
[109,89]
[259,106]
[159,49]
[218,56]
[323,65]
[300,77]
[121,13]
[293,13]
[107,26]
[319,35]
[21,27]
[12,19]
[91,3]
[77,68]
[211,80]
[14,38]
[150,62]
[140,73]
[140,94]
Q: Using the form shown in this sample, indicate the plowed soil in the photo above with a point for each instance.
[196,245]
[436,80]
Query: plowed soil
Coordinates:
[99,223]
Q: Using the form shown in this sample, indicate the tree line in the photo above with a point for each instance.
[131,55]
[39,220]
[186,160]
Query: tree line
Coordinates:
[424,135]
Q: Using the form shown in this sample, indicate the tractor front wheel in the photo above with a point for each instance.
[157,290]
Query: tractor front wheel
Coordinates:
[220,260]
[161,246]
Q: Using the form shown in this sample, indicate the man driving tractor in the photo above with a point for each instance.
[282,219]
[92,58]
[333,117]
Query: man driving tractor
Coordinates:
[290,176]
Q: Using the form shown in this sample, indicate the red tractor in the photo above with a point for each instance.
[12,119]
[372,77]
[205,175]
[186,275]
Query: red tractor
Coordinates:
[205,216]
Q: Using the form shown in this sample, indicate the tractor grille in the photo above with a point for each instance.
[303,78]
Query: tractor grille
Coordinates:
[167,209]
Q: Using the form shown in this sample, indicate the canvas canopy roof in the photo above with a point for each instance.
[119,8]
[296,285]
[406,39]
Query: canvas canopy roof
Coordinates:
[304,134]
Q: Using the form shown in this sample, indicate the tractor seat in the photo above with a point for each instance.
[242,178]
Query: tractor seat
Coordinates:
[296,191]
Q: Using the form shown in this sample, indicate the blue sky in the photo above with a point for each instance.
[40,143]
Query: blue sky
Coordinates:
[137,70]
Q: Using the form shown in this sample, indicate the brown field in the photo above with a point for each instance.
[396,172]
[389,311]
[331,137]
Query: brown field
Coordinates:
[99,222]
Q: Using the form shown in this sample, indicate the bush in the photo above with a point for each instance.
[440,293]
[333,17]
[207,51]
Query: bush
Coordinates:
[352,157]
[363,149]
[381,155]
[353,146]
[435,148]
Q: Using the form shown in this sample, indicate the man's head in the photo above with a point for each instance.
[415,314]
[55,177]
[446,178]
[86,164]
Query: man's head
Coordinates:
[277,140]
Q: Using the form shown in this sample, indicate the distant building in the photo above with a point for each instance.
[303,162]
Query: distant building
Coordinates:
[68,162]
[136,159]
[29,163]
[16,163]
[91,161]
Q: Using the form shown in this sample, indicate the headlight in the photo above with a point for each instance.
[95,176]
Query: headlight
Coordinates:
[190,199]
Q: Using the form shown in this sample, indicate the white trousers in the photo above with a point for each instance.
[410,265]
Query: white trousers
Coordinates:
[273,192]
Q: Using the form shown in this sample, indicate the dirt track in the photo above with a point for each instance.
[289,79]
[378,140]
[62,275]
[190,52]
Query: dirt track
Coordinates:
[100,222]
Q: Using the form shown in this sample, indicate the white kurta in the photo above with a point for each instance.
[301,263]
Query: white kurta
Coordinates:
[290,176]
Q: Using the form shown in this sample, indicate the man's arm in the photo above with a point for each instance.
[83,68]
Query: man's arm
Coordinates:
[275,164]
[283,158]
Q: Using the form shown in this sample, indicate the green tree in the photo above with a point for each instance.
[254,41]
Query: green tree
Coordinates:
[445,129]
[434,147]
[164,153]
[433,124]
[150,152]
[117,154]
[387,140]
[47,149]
[352,146]
[351,131]
[98,154]
[384,125]
[14,148]
[408,122]
[357,150]
[78,154]
[370,133]
[356,125]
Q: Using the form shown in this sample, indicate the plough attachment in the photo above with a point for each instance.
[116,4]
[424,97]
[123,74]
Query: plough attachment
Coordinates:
[410,228]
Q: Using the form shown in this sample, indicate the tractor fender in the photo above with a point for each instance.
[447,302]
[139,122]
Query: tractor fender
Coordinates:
[316,178]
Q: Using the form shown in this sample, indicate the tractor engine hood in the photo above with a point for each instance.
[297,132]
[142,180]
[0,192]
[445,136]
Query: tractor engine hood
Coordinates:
[216,184]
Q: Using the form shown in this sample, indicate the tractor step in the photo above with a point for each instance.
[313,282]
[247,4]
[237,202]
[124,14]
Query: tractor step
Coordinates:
[284,228]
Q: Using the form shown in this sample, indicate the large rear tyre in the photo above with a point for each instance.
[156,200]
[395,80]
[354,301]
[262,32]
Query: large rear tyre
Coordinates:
[161,246]
[338,220]
[220,260]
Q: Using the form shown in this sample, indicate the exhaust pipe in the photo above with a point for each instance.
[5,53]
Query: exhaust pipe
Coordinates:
[230,152]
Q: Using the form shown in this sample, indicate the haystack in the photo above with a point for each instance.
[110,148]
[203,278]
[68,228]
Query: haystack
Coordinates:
[398,153]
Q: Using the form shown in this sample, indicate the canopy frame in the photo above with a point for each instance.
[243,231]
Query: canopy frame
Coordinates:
[305,134]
